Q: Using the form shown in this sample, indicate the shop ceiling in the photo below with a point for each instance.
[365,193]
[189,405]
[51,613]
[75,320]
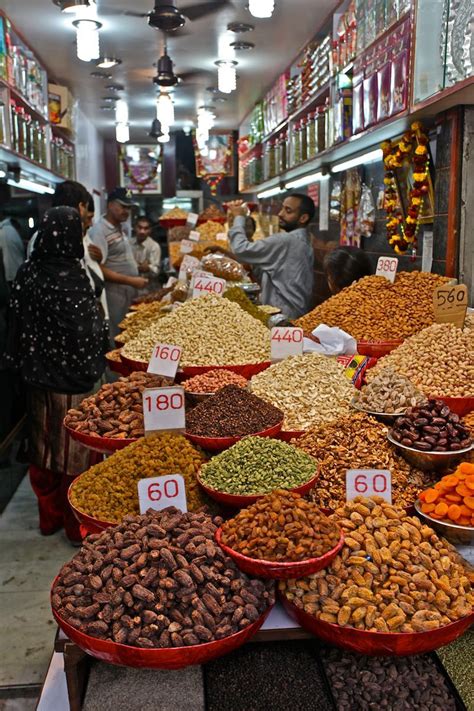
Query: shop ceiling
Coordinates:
[277,42]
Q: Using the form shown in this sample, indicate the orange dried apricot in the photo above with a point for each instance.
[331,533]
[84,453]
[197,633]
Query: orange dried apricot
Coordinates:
[454,512]
[462,490]
[469,501]
[441,509]
[431,495]
[450,481]
[469,482]
[454,498]
[465,468]
[427,508]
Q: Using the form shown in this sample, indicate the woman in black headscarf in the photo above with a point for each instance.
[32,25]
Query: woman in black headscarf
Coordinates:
[57,339]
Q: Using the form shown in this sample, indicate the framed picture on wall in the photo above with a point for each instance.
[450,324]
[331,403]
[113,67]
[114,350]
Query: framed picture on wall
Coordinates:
[140,168]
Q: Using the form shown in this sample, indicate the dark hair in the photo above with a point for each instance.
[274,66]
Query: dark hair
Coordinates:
[144,218]
[70,194]
[250,221]
[346,265]
[306,205]
[90,204]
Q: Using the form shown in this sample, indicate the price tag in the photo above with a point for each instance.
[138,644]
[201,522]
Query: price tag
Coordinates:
[188,264]
[187,246]
[159,492]
[194,235]
[387,267]
[192,219]
[165,360]
[163,409]
[369,482]
[171,282]
[221,237]
[286,341]
[450,304]
[200,273]
[208,285]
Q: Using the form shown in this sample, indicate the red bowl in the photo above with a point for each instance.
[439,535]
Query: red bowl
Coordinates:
[169,223]
[240,501]
[377,349]
[287,435]
[88,523]
[375,644]
[172,658]
[277,570]
[247,370]
[105,445]
[460,405]
[140,365]
[117,366]
[218,444]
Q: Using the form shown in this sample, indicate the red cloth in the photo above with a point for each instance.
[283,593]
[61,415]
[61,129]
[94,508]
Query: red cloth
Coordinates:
[54,510]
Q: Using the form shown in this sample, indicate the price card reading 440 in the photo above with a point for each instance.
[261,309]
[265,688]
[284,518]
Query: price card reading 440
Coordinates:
[165,360]
[163,409]
[159,492]
[369,482]
[450,304]
[387,267]
[286,341]
[208,285]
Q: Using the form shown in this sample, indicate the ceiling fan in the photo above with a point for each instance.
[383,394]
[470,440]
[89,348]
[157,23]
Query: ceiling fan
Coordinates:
[168,17]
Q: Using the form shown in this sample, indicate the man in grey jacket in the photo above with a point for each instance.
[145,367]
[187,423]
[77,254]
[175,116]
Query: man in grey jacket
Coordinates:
[283,262]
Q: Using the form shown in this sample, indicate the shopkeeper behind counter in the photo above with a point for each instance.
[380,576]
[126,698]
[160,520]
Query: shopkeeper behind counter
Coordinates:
[283,262]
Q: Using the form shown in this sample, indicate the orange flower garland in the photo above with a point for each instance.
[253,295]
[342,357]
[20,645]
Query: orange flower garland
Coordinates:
[413,146]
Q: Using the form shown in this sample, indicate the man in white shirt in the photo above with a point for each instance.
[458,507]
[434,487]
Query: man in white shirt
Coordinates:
[146,251]
[12,247]
[93,256]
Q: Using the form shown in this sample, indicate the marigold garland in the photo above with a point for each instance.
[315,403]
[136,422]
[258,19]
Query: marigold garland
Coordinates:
[413,146]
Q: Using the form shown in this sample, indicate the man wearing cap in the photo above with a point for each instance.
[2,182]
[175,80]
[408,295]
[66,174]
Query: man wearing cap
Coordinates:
[118,263]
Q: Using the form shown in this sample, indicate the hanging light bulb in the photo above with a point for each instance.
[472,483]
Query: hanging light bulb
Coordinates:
[121,111]
[87,39]
[165,137]
[165,109]
[227,76]
[122,132]
[261,8]
[206,118]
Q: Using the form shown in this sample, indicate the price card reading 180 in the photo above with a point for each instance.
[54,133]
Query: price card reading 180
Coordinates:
[387,267]
[163,409]
[165,360]
[161,491]
[369,482]
[208,285]
[286,341]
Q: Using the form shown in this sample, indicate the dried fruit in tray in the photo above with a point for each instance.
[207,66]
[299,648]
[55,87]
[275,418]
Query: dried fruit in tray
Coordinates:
[431,427]
[452,498]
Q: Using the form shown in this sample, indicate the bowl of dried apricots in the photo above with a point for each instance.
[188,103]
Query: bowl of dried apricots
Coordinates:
[448,506]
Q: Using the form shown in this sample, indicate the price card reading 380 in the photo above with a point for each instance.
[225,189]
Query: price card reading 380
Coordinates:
[163,409]
[369,482]
[165,360]
[286,341]
[387,267]
[161,491]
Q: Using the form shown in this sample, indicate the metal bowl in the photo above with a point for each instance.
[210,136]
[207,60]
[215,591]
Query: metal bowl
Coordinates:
[383,416]
[430,461]
[454,533]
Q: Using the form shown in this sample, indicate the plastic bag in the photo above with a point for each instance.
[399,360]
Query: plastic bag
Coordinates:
[366,213]
[223,266]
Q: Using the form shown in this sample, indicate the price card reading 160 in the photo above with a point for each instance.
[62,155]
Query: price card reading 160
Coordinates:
[369,482]
[165,360]
[286,341]
[387,267]
[163,409]
[159,492]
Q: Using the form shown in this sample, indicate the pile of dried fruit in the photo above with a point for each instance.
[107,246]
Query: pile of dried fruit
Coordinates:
[236,295]
[213,380]
[375,309]
[357,442]
[116,410]
[176,213]
[281,526]
[388,392]
[158,581]
[137,321]
[232,412]
[210,213]
[108,490]
[211,331]
[393,575]
[431,427]
[258,465]
[438,361]
[452,498]
[310,389]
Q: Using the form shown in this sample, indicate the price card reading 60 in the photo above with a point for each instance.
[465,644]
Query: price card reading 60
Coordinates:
[208,285]
[387,267]
[286,341]
[369,482]
[161,491]
[165,360]
[163,409]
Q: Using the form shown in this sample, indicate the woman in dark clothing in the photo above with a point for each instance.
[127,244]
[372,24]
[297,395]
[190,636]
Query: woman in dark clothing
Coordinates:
[57,340]
[344,266]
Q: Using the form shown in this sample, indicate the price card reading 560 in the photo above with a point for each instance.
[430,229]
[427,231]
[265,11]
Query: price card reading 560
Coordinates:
[163,409]
[387,267]
[369,482]
[450,304]
[165,360]
[159,492]
[286,341]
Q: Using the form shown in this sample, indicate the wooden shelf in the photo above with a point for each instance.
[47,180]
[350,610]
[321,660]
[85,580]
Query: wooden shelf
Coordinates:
[320,93]
[29,166]
[19,97]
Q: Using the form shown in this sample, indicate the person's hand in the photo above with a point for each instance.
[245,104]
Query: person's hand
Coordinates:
[138,282]
[237,208]
[95,253]
[144,267]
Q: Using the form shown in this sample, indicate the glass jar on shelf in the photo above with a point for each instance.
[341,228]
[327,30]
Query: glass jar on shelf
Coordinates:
[3,122]
[21,129]
[311,135]
[36,152]
[43,145]
[283,151]
[304,139]
[296,144]
[27,146]
[277,154]
[271,159]
[321,128]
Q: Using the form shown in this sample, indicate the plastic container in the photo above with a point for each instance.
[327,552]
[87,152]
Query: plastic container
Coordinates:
[240,501]
[277,570]
[105,445]
[374,644]
[463,535]
[434,461]
[377,349]
[218,444]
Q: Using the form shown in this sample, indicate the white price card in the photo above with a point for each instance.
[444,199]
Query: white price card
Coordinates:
[450,304]
[165,360]
[369,482]
[194,235]
[187,246]
[188,264]
[286,341]
[192,218]
[208,285]
[200,273]
[163,409]
[387,267]
[159,492]
[221,237]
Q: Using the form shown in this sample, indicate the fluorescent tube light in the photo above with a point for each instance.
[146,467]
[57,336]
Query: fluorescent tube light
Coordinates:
[269,193]
[370,157]
[305,180]
[32,186]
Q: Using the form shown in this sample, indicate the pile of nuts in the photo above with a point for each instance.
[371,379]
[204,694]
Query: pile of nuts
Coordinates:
[359,682]
[176,213]
[388,393]
[210,213]
[375,309]
[116,410]
[210,330]
[114,355]
[232,412]
[209,230]
[158,581]
[310,389]
[222,266]
[357,442]
[393,575]
[108,490]
[439,361]
[431,428]
[258,465]
[281,526]
[213,380]
[236,295]
[137,321]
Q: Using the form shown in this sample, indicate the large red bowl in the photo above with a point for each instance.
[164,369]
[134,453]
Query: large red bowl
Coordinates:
[218,444]
[288,435]
[239,501]
[247,370]
[134,365]
[377,349]
[375,644]
[172,658]
[105,445]
[169,223]
[88,523]
[460,405]
[277,570]
[117,366]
